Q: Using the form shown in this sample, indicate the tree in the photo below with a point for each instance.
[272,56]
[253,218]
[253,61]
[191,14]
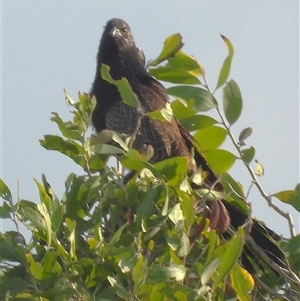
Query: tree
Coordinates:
[143,239]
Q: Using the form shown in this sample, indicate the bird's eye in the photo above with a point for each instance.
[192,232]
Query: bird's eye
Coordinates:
[124,30]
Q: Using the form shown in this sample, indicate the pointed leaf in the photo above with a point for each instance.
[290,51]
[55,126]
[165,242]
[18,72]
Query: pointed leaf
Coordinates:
[5,192]
[245,133]
[209,271]
[172,44]
[123,86]
[224,72]
[232,101]
[230,253]
[290,197]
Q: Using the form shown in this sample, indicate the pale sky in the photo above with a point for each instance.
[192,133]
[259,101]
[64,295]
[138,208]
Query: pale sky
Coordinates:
[51,45]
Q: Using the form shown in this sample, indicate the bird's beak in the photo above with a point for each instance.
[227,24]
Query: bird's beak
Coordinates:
[115,32]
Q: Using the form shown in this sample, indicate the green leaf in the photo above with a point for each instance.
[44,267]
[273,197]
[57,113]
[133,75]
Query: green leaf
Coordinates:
[128,96]
[210,137]
[165,114]
[291,197]
[242,282]
[133,160]
[5,211]
[71,225]
[233,189]
[187,206]
[224,72]
[172,44]
[220,160]
[5,192]
[68,129]
[197,122]
[47,221]
[117,235]
[11,252]
[228,254]
[209,271]
[13,286]
[232,102]
[67,147]
[173,75]
[176,271]
[176,215]
[202,99]
[183,61]
[56,216]
[44,197]
[106,149]
[182,109]
[173,169]
[248,154]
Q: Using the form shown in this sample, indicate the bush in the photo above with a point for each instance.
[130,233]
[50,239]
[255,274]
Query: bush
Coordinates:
[148,238]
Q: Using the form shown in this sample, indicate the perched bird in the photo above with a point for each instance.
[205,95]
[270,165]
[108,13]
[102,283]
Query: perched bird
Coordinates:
[117,49]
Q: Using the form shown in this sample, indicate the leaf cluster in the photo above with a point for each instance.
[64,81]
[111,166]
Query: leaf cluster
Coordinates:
[149,237]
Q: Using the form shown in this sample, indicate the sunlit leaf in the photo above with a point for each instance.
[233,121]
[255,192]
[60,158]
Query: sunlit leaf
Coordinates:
[242,282]
[172,44]
[71,225]
[183,109]
[290,197]
[165,114]
[224,72]
[203,100]
[211,137]
[232,101]
[259,169]
[209,271]
[173,75]
[229,254]
[42,208]
[183,61]
[176,271]
[220,160]
[176,214]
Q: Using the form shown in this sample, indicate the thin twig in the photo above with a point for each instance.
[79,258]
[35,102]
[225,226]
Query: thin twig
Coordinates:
[286,215]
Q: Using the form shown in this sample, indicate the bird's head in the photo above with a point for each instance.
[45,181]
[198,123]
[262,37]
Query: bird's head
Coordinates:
[118,31]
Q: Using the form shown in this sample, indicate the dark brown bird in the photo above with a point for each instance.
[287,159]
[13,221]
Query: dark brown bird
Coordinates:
[168,139]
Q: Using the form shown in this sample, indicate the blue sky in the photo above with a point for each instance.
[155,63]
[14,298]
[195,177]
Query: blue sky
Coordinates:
[51,45]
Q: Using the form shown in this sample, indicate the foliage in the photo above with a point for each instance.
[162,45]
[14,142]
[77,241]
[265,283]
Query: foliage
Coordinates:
[148,238]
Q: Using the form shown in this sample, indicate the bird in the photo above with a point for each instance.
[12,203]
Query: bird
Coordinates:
[118,50]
